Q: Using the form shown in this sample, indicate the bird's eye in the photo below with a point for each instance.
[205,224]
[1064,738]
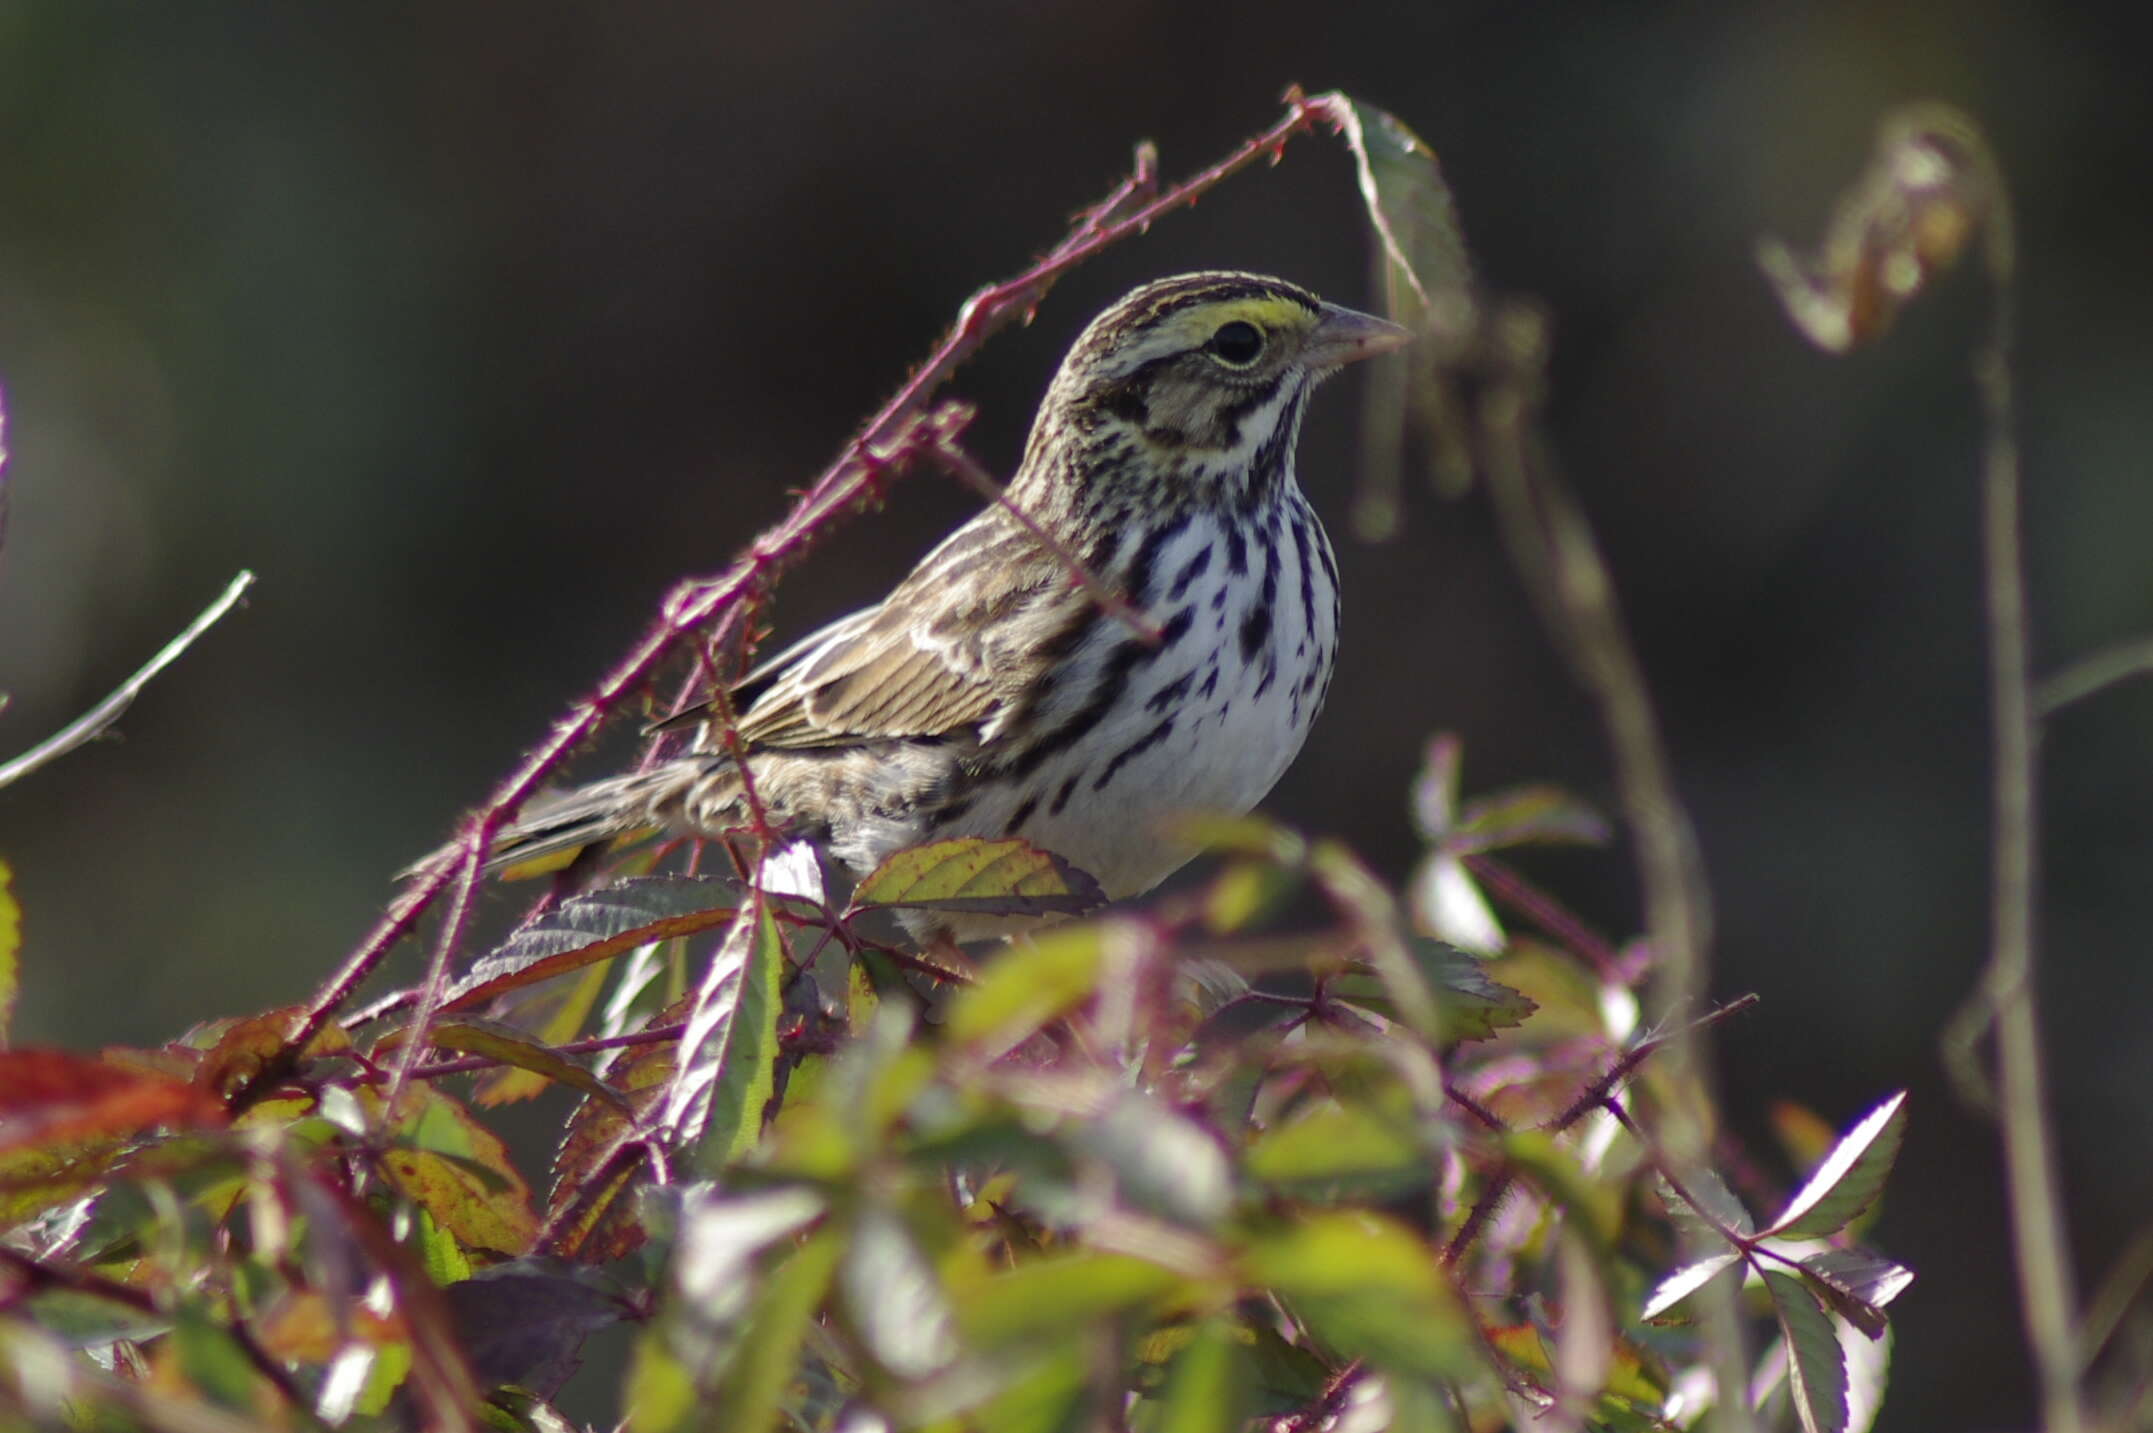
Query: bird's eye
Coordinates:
[1236,344]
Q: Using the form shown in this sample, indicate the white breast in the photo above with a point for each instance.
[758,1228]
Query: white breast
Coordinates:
[1209,721]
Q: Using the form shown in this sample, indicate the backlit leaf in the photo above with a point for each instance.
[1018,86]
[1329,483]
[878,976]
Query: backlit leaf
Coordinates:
[973,876]
[459,1172]
[1851,1176]
[1816,1368]
[589,928]
[50,1097]
[728,1046]
[470,1035]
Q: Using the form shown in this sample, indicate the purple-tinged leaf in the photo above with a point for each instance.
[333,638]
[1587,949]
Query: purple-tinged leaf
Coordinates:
[1851,1176]
[525,1322]
[1686,1281]
[589,928]
[1718,1202]
[1816,1367]
[1858,1284]
[973,876]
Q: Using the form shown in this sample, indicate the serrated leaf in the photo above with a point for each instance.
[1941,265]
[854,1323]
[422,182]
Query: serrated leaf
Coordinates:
[973,876]
[1714,1197]
[596,926]
[1685,1281]
[459,1172]
[1858,1285]
[590,1208]
[1851,1176]
[728,1048]
[525,1322]
[554,1016]
[1369,1288]
[1816,1367]
[1469,1005]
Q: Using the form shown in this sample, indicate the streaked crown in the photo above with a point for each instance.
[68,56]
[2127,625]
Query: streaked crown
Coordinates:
[1191,389]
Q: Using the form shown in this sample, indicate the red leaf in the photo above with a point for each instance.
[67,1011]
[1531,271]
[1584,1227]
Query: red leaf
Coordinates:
[50,1095]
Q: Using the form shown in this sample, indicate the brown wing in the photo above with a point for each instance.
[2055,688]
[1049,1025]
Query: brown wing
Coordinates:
[968,632]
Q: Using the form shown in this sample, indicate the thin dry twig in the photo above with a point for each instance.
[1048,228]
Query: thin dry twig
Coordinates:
[1932,188]
[98,719]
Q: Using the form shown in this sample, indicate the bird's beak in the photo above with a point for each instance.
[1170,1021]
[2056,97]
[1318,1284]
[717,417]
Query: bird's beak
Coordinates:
[1344,335]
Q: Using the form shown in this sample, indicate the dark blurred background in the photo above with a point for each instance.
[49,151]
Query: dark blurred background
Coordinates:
[471,328]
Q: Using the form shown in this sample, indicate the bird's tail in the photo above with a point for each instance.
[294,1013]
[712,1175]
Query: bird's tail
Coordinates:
[557,828]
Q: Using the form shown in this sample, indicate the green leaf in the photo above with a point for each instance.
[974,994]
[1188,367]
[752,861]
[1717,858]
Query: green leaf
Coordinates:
[1027,986]
[1053,1394]
[728,1048]
[553,1016]
[470,1035]
[1208,1383]
[1816,1367]
[1469,1006]
[768,1357]
[1369,1288]
[1052,1297]
[10,952]
[213,1362]
[459,1172]
[1529,815]
[973,876]
[1407,201]
[1851,1176]
[589,928]
[1330,1150]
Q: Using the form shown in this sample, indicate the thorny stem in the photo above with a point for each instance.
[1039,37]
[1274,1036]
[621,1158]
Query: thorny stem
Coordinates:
[1543,910]
[951,455]
[880,448]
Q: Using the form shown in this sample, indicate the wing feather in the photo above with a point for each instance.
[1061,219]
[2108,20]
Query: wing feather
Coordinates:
[961,638]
